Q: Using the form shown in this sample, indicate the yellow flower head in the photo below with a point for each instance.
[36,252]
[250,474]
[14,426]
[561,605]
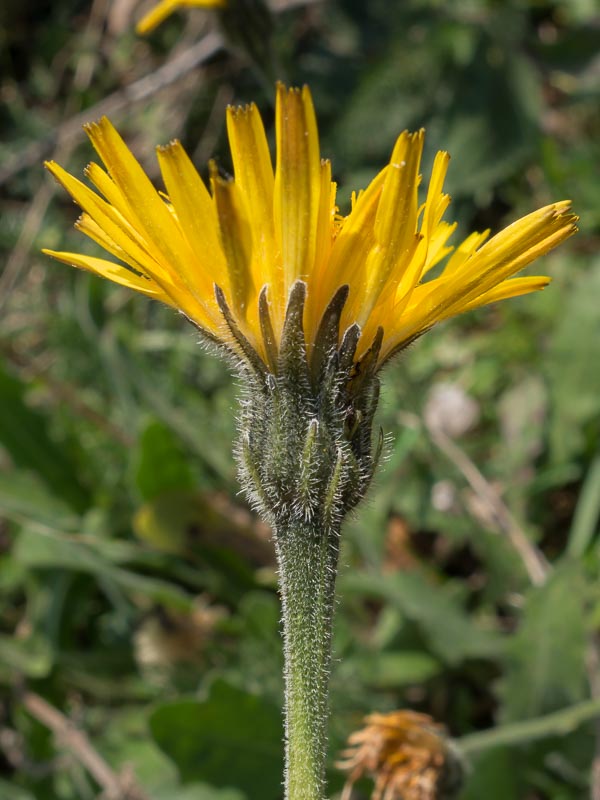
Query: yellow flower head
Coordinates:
[165,8]
[233,252]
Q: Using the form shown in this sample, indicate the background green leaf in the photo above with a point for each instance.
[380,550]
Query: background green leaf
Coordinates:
[231,739]
[545,663]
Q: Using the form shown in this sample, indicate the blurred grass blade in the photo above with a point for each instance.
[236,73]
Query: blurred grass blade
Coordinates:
[47,550]
[25,498]
[587,513]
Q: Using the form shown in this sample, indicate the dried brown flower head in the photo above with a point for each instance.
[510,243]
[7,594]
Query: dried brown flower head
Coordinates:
[406,753]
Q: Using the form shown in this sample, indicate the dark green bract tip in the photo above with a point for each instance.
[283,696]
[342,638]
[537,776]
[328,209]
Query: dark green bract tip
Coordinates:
[306,452]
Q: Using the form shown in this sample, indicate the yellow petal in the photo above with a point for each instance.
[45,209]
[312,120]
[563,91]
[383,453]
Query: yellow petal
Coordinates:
[514,287]
[165,8]
[351,249]
[152,218]
[297,182]
[106,186]
[464,251]
[437,249]
[269,230]
[90,228]
[509,252]
[117,227]
[236,241]
[485,270]
[139,252]
[146,208]
[113,272]
[254,176]
[326,230]
[437,202]
[395,223]
[195,212]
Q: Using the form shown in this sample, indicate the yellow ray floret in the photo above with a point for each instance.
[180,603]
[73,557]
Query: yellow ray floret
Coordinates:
[255,235]
[165,8]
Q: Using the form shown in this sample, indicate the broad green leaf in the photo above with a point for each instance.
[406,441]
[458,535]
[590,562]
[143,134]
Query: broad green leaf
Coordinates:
[544,666]
[231,739]
[450,633]
[199,791]
[489,142]
[160,463]
[9,790]
[493,776]
[571,366]
[24,433]
[126,744]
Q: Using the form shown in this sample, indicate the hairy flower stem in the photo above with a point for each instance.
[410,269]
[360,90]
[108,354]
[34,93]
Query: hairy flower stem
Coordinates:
[307,560]
[306,459]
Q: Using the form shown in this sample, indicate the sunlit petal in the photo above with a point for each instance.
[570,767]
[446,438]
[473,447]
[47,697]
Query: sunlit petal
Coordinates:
[260,232]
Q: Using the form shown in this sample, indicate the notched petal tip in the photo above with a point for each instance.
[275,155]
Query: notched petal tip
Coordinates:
[241,110]
[169,148]
[291,93]
[560,210]
[97,125]
[561,205]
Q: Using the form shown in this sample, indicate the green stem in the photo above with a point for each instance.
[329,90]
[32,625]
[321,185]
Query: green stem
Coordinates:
[559,723]
[307,560]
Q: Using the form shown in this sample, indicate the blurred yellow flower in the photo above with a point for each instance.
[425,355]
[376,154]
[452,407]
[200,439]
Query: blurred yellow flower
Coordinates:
[165,8]
[256,235]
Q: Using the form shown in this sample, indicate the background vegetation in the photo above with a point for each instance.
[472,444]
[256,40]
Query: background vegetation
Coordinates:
[138,591]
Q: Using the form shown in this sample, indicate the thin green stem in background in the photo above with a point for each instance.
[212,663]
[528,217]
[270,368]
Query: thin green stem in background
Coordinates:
[559,723]
[307,566]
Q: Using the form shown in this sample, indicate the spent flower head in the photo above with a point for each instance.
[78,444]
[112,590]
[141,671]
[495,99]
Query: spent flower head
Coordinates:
[407,755]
